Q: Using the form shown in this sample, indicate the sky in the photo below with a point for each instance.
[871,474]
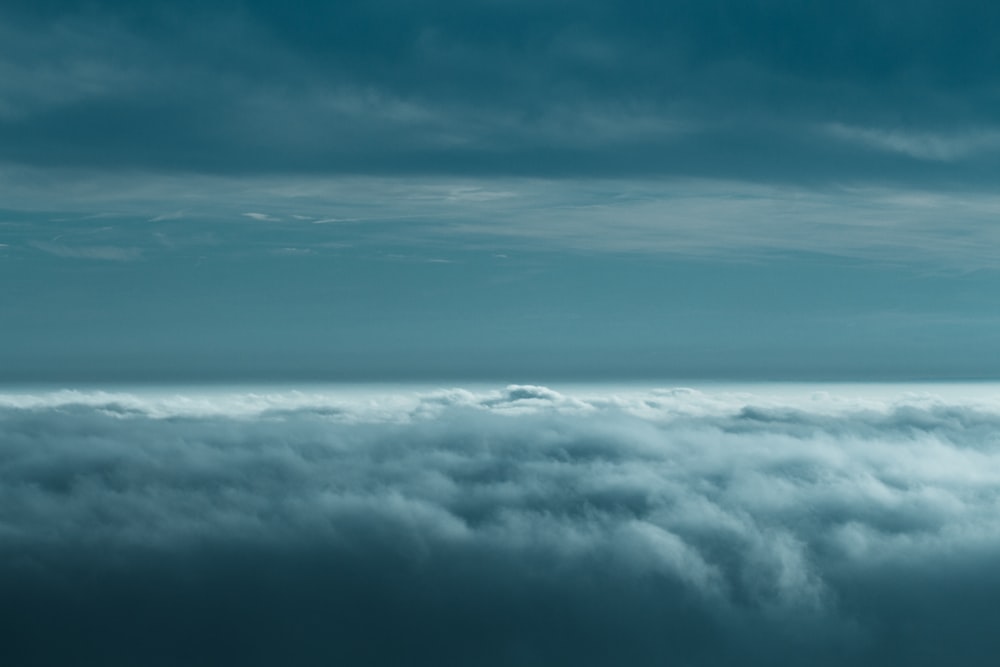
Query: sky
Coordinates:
[498,190]
[390,333]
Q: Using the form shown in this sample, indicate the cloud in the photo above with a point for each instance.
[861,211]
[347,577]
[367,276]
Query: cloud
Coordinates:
[927,146]
[950,228]
[587,527]
[260,217]
[99,252]
[176,215]
[731,90]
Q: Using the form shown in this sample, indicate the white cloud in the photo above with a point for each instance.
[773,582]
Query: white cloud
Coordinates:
[780,509]
[263,217]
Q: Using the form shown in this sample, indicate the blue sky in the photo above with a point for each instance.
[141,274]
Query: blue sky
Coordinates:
[586,190]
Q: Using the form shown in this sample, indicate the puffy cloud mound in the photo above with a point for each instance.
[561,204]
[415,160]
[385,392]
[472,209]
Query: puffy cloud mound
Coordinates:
[516,527]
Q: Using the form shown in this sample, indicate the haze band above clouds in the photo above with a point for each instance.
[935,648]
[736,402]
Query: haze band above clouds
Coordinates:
[519,526]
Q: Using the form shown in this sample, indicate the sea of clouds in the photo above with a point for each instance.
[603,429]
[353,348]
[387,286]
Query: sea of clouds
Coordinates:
[504,526]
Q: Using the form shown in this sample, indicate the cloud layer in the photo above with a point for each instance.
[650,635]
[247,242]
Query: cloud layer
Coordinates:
[764,91]
[522,526]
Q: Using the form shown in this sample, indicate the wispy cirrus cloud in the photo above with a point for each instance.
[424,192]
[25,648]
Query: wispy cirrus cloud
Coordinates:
[936,146]
[946,228]
[99,252]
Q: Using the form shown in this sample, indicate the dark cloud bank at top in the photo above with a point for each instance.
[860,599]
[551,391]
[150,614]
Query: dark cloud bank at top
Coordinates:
[517,527]
[769,90]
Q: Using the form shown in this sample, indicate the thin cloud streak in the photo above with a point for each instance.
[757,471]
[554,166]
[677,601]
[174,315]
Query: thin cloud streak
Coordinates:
[701,218]
[97,252]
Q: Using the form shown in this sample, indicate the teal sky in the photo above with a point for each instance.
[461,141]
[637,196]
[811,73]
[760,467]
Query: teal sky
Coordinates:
[525,193]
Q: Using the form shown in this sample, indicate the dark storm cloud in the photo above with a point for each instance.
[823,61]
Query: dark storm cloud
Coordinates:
[762,90]
[516,527]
